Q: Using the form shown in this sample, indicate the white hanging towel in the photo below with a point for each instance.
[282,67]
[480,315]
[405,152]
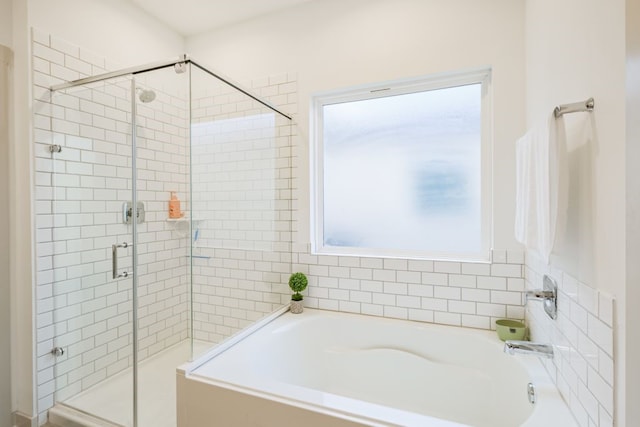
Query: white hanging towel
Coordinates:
[540,169]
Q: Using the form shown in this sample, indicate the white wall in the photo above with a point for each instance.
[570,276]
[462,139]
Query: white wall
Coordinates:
[5,23]
[115,29]
[630,332]
[565,63]
[21,223]
[5,307]
[5,295]
[576,50]
[339,43]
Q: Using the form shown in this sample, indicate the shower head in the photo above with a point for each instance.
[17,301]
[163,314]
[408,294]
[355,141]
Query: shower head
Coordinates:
[146,95]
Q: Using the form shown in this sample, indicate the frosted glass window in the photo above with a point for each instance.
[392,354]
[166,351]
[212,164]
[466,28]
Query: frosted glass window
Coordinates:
[402,174]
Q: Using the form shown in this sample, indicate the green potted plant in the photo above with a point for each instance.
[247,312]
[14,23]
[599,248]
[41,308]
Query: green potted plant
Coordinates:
[298,283]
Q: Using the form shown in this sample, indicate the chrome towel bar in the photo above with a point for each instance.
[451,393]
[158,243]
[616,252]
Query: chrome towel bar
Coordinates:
[576,107]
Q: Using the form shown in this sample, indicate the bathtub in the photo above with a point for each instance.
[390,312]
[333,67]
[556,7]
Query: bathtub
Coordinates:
[323,369]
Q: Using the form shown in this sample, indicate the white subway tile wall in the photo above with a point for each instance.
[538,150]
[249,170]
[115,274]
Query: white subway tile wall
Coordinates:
[450,293]
[241,186]
[582,337]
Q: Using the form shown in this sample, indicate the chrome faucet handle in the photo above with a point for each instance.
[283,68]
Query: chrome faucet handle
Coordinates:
[539,294]
[548,295]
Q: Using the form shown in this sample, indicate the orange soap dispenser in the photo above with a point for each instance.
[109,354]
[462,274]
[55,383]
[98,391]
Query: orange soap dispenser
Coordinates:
[174,206]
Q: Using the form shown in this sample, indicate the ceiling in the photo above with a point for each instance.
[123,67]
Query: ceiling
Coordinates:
[191,17]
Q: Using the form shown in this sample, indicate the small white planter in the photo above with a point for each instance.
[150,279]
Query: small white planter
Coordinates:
[296,307]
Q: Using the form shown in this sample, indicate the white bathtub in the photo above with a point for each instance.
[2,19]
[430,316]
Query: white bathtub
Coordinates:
[325,369]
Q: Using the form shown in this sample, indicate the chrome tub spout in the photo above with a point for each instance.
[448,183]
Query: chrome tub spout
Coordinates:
[527,347]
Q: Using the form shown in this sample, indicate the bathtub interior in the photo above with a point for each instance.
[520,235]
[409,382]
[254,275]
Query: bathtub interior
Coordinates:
[336,359]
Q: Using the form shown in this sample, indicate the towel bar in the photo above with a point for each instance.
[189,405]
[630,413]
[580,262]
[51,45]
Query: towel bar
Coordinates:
[576,107]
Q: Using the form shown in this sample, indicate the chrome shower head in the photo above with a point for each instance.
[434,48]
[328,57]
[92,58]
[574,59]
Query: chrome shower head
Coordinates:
[146,95]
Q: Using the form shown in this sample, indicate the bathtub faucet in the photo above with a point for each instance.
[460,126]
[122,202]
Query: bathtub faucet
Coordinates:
[527,347]
[548,295]
[539,294]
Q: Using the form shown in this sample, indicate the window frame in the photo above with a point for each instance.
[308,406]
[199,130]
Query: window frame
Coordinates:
[480,76]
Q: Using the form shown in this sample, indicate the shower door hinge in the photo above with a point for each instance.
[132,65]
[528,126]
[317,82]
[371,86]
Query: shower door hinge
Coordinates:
[57,351]
[180,67]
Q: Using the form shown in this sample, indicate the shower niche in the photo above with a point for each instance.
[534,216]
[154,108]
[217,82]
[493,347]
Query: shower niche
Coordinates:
[127,139]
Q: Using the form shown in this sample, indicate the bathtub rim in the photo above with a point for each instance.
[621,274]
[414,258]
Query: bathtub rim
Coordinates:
[188,367]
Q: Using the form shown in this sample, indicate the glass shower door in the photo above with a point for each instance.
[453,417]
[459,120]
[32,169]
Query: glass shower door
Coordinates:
[125,283]
[161,167]
[119,270]
[89,236]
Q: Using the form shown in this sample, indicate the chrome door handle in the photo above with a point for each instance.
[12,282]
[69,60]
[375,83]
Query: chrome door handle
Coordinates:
[114,260]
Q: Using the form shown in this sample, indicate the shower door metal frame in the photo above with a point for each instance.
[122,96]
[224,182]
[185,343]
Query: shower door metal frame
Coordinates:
[182,59]
[134,253]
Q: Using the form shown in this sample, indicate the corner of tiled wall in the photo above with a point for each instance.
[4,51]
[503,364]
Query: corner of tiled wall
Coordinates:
[582,337]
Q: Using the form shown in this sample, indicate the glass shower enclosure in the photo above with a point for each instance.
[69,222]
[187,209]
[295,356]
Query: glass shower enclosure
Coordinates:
[137,288]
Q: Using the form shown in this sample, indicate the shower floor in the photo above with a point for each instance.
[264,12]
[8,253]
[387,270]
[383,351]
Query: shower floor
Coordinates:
[112,399]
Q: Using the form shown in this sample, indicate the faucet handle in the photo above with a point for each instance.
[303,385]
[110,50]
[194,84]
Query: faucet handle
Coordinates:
[539,294]
[548,295]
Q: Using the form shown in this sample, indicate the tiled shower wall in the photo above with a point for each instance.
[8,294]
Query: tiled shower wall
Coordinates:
[241,174]
[162,154]
[582,337]
[79,196]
